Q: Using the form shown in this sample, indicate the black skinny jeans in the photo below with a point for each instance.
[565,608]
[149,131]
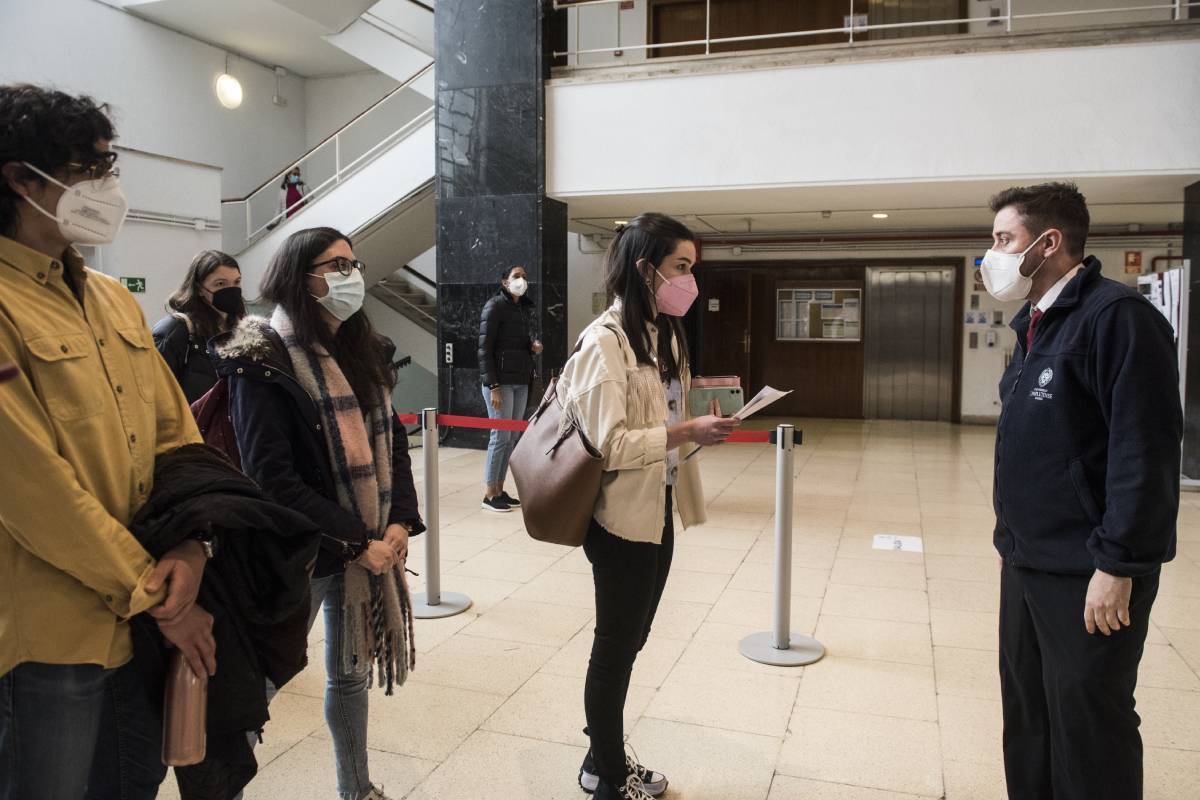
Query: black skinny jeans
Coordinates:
[629,578]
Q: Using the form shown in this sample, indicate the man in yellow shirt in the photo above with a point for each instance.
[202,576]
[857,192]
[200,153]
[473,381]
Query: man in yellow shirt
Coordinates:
[81,423]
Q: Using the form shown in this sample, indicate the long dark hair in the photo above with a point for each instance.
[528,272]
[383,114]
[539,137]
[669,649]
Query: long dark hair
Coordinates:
[189,301]
[363,355]
[652,237]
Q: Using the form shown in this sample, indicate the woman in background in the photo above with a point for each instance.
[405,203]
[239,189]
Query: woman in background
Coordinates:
[207,303]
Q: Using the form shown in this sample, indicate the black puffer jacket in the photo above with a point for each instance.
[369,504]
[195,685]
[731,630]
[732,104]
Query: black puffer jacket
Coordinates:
[186,355]
[256,588]
[505,342]
[283,448]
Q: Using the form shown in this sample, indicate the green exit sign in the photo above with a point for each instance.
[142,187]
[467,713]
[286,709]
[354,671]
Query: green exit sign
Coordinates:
[135,285]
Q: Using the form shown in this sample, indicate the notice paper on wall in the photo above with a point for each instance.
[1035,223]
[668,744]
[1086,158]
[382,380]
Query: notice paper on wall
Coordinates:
[764,398]
[903,544]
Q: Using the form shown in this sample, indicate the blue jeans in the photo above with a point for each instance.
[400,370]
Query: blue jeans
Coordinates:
[78,730]
[345,694]
[514,398]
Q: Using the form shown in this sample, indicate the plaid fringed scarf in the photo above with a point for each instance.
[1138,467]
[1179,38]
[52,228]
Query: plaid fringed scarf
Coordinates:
[377,612]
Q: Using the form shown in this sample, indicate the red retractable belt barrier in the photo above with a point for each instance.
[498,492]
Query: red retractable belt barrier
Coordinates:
[409,419]
[484,423]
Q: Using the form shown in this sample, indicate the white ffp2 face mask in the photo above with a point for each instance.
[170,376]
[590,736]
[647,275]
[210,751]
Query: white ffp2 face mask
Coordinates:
[1001,273]
[90,212]
[346,294]
[517,287]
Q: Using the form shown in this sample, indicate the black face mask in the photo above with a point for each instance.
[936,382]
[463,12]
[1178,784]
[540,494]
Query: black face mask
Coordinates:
[228,301]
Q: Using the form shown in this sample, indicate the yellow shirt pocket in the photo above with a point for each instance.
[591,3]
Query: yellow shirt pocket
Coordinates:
[141,352]
[65,375]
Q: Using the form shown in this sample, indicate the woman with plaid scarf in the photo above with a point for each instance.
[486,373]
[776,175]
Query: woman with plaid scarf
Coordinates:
[310,399]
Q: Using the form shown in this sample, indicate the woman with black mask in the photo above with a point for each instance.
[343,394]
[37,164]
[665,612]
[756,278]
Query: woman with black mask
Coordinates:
[209,302]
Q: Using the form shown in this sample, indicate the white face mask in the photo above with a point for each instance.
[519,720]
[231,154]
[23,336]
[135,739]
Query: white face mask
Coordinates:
[517,287]
[90,212]
[1002,276]
[346,294]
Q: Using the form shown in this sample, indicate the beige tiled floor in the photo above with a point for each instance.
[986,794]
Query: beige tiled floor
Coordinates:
[905,705]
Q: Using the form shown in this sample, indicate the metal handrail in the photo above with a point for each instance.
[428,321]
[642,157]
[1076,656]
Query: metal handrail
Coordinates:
[1178,8]
[341,171]
[407,83]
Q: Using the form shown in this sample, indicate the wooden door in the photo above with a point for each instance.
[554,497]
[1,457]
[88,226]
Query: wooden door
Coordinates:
[724,320]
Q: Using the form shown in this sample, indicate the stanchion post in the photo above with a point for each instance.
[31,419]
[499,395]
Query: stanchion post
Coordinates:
[432,604]
[783,647]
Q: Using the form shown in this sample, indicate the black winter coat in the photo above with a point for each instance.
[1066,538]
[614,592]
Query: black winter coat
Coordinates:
[505,344]
[1088,445]
[186,355]
[283,449]
[256,588]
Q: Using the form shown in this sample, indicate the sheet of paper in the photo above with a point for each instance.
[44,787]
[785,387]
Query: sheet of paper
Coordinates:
[901,544]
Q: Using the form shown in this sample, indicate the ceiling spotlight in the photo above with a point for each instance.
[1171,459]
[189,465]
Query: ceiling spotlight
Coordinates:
[879,215]
[229,89]
[620,222]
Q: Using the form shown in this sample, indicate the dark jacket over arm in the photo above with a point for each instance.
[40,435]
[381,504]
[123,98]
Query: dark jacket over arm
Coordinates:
[1134,352]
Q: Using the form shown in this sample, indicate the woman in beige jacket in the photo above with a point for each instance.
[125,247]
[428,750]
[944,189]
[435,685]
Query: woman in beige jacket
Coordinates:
[627,386]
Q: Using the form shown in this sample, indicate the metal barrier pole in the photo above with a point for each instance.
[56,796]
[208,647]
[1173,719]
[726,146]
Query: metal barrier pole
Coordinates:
[783,647]
[433,603]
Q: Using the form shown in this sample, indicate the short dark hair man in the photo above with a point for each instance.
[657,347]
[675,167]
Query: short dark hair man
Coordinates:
[1086,496]
[89,408]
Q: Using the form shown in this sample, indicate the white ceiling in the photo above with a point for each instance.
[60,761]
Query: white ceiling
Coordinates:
[1152,201]
[287,33]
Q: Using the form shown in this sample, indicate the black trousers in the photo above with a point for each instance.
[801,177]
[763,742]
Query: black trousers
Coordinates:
[1070,729]
[629,578]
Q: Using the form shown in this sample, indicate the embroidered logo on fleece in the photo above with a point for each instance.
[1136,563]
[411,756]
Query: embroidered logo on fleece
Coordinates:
[1044,379]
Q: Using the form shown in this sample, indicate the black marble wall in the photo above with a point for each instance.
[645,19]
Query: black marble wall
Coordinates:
[1191,406]
[492,61]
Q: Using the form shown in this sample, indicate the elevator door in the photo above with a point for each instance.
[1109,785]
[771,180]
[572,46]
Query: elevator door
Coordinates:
[909,358]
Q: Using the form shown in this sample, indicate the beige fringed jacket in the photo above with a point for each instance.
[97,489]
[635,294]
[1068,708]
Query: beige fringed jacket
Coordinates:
[622,407]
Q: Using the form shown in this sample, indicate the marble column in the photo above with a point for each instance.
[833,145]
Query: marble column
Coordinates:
[492,62]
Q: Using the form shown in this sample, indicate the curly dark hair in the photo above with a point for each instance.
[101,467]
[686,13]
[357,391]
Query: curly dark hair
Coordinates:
[49,129]
[1050,205]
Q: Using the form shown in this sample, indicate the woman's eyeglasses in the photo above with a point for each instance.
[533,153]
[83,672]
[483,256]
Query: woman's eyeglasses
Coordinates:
[345,266]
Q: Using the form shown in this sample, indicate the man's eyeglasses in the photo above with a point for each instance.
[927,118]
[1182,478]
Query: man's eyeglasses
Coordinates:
[343,265]
[102,166]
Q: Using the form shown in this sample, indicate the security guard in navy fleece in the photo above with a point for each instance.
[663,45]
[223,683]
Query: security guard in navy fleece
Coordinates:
[1086,497]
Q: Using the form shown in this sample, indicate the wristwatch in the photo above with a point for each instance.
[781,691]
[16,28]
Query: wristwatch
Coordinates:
[493,386]
[208,541]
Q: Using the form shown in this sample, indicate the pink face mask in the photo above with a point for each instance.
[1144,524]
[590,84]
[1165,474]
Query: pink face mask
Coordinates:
[676,295]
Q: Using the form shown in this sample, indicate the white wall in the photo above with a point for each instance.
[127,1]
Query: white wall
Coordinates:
[984,9]
[160,85]
[154,251]
[331,102]
[982,367]
[606,26]
[933,118]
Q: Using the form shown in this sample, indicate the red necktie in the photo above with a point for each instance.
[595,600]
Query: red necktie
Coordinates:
[1033,321]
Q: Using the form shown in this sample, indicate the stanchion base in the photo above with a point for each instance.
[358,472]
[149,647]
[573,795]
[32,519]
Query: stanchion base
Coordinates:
[452,603]
[760,647]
